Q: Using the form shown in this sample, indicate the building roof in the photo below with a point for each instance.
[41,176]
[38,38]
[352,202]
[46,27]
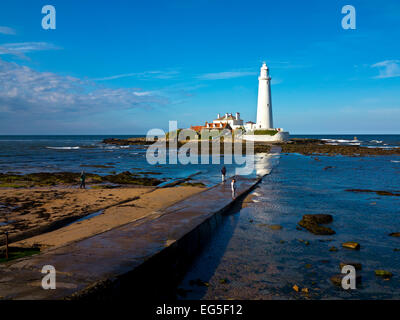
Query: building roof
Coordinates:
[218,126]
[251,122]
[197,128]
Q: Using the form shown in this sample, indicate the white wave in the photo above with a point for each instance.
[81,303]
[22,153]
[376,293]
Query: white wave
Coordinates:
[376,141]
[63,148]
[383,147]
[340,140]
[394,161]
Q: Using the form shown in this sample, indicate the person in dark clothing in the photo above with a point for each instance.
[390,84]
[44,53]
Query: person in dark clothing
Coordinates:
[223,172]
[83,178]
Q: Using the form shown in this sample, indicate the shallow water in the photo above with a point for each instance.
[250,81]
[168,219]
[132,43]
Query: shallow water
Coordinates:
[260,263]
[28,154]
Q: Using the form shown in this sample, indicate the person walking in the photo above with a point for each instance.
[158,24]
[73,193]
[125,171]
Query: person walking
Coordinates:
[83,178]
[223,172]
[233,187]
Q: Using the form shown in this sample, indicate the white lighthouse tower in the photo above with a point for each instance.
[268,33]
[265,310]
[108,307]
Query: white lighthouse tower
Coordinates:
[264,104]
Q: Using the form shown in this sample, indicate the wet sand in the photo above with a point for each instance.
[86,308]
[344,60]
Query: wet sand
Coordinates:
[29,213]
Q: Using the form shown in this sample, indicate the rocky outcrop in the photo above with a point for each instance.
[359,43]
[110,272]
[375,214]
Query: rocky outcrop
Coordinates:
[351,245]
[126,142]
[383,273]
[378,192]
[42,179]
[312,222]
[356,265]
[315,146]
[337,279]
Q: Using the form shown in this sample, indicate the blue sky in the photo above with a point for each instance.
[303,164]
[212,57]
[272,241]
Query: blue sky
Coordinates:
[123,67]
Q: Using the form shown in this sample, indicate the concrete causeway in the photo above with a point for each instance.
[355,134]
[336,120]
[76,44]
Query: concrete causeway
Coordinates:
[132,260]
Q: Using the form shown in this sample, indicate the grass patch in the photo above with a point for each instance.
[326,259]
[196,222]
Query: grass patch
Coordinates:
[10,185]
[265,132]
[16,253]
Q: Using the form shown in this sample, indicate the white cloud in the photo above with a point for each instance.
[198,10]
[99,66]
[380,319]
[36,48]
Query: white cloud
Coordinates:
[147,75]
[27,91]
[142,93]
[387,69]
[7,30]
[19,49]
[226,75]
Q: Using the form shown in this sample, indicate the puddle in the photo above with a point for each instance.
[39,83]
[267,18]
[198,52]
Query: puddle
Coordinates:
[2,224]
[173,182]
[89,216]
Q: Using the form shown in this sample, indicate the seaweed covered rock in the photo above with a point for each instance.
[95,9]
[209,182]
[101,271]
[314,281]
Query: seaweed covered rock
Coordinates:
[319,147]
[312,222]
[351,245]
[394,234]
[127,177]
[46,178]
[383,273]
[356,265]
[337,279]
[126,142]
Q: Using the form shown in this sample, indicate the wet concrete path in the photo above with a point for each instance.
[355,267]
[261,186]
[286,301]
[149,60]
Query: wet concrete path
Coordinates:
[115,253]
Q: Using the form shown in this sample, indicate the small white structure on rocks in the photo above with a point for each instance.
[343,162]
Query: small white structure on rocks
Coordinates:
[233,121]
[250,126]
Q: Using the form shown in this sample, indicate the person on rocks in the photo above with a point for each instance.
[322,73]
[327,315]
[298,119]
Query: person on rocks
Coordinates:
[223,172]
[233,187]
[83,178]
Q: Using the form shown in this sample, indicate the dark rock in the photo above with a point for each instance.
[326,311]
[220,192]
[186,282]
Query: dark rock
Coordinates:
[378,192]
[312,222]
[394,234]
[275,227]
[351,245]
[383,273]
[127,177]
[318,218]
[315,146]
[356,265]
[337,279]
[306,242]
[199,282]
[126,142]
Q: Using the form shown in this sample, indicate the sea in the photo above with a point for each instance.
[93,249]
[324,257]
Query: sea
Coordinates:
[244,259]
